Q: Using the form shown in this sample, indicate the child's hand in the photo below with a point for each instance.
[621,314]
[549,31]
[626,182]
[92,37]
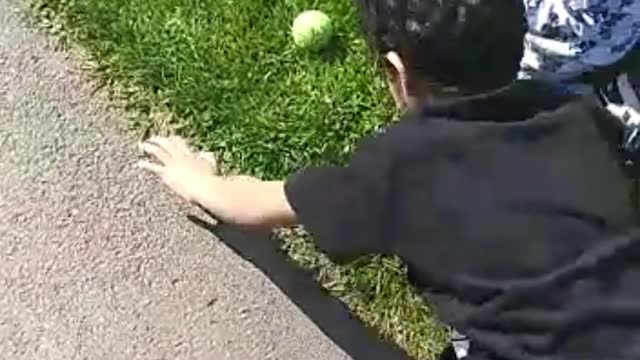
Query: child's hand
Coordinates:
[240,200]
[186,172]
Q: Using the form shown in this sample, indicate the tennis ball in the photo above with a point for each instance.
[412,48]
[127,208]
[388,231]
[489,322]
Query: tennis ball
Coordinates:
[312,29]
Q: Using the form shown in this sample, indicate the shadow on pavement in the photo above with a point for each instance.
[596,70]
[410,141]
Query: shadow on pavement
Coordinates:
[329,314]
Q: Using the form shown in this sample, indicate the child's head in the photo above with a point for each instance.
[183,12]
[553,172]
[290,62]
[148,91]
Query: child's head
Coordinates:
[431,47]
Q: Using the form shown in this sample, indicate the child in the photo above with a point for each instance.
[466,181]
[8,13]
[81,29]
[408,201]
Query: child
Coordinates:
[506,205]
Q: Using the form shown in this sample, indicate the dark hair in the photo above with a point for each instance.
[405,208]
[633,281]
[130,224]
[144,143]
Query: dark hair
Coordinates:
[469,44]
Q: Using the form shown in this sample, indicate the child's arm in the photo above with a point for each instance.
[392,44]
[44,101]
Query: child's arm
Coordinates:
[345,208]
[240,200]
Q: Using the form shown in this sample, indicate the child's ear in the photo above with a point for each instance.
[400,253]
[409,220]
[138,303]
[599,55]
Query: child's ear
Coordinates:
[397,78]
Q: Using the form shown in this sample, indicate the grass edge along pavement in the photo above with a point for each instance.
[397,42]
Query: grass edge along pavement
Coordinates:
[375,289]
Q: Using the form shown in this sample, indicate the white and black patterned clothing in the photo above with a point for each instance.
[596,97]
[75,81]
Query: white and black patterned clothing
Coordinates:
[567,38]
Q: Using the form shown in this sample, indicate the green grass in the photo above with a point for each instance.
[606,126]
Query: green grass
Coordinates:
[225,74]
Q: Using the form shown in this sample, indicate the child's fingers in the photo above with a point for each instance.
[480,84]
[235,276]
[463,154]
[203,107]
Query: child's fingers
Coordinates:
[153,149]
[165,143]
[180,144]
[209,157]
[154,168]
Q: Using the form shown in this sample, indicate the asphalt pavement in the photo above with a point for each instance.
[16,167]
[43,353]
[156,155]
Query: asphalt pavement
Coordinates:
[97,260]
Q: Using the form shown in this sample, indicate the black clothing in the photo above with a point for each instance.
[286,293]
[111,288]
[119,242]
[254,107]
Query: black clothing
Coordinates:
[511,211]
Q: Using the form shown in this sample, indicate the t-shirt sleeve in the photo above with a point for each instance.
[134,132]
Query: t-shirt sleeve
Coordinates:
[346,208]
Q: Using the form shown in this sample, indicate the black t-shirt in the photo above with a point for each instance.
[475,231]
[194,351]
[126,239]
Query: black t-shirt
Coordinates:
[510,210]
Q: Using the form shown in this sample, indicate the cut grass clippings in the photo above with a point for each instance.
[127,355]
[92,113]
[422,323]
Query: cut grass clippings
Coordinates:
[225,74]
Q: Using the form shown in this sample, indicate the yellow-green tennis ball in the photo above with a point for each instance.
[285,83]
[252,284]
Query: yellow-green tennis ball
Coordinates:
[312,29]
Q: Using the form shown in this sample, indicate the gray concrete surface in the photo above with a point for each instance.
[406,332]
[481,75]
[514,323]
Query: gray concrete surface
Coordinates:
[97,260]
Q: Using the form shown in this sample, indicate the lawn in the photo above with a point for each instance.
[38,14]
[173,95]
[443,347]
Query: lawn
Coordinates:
[225,74]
